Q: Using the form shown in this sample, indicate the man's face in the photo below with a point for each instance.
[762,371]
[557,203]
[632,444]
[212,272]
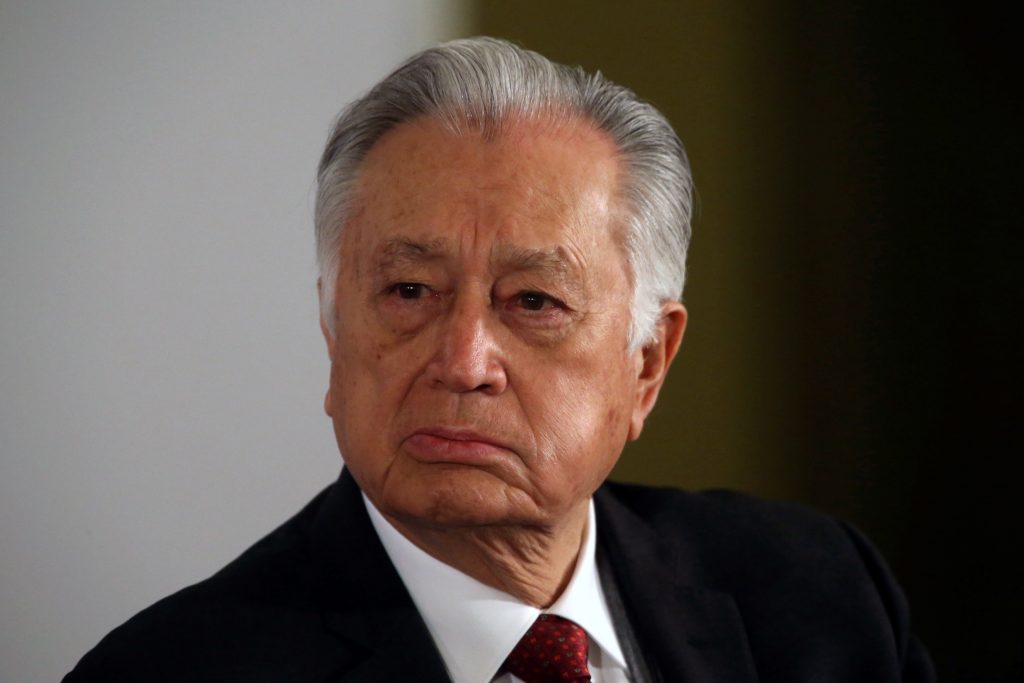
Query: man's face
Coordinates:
[480,369]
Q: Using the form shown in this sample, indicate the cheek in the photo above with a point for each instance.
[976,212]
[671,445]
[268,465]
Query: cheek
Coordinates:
[341,406]
[371,377]
[584,422]
[352,378]
[362,419]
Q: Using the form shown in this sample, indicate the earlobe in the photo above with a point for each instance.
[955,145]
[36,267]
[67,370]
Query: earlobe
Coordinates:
[657,357]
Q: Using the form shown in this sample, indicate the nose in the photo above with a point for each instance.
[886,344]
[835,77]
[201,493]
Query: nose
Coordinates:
[469,357]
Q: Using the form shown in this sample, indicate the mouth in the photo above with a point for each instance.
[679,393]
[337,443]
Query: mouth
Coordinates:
[455,446]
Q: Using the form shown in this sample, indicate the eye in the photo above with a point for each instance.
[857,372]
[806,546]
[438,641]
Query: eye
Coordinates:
[409,290]
[535,301]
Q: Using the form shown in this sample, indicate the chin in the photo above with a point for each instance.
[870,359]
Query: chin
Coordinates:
[459,497]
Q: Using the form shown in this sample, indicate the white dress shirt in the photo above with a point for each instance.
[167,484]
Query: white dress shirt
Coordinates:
[475,626]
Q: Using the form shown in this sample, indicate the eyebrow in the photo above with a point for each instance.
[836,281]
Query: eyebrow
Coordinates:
[403,250]
[553,262]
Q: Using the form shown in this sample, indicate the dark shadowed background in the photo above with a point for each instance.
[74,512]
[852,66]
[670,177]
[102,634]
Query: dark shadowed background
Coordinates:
[854,291]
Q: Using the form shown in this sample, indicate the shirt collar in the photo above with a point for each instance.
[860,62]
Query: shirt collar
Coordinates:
[476,626]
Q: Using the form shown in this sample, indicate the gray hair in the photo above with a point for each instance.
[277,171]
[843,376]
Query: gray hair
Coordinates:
[483,84]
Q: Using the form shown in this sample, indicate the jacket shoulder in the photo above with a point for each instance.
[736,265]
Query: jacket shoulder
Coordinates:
[740,543]
[797,577]
[231,626]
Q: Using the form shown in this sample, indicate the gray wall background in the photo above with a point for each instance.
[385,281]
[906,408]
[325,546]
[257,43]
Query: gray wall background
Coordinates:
[161,370]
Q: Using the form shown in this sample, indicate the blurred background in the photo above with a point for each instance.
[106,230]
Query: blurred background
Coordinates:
[853,289]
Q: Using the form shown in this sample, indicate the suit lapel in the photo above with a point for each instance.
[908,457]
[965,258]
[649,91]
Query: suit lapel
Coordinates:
[364,600]
[398,646]
[686,632]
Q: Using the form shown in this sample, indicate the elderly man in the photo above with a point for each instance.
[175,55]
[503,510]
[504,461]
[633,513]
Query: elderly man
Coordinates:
[502,244]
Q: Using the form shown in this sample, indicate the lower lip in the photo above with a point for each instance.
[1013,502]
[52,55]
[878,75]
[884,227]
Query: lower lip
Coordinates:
[437,449]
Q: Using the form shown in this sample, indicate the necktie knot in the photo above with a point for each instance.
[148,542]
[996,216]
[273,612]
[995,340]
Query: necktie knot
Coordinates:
[553,650]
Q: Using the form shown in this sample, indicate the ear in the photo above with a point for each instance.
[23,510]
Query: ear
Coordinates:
[324,327]
[656,358]
[329,338]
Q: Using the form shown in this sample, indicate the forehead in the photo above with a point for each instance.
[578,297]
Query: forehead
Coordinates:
[534,183]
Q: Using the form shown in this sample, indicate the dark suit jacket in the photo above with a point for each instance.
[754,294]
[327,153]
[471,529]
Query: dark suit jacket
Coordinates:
[717,587]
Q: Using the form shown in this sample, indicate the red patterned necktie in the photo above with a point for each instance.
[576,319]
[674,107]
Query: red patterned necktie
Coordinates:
[554,650]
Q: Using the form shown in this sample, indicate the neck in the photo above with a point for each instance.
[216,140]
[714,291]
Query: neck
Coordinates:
[531,563]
